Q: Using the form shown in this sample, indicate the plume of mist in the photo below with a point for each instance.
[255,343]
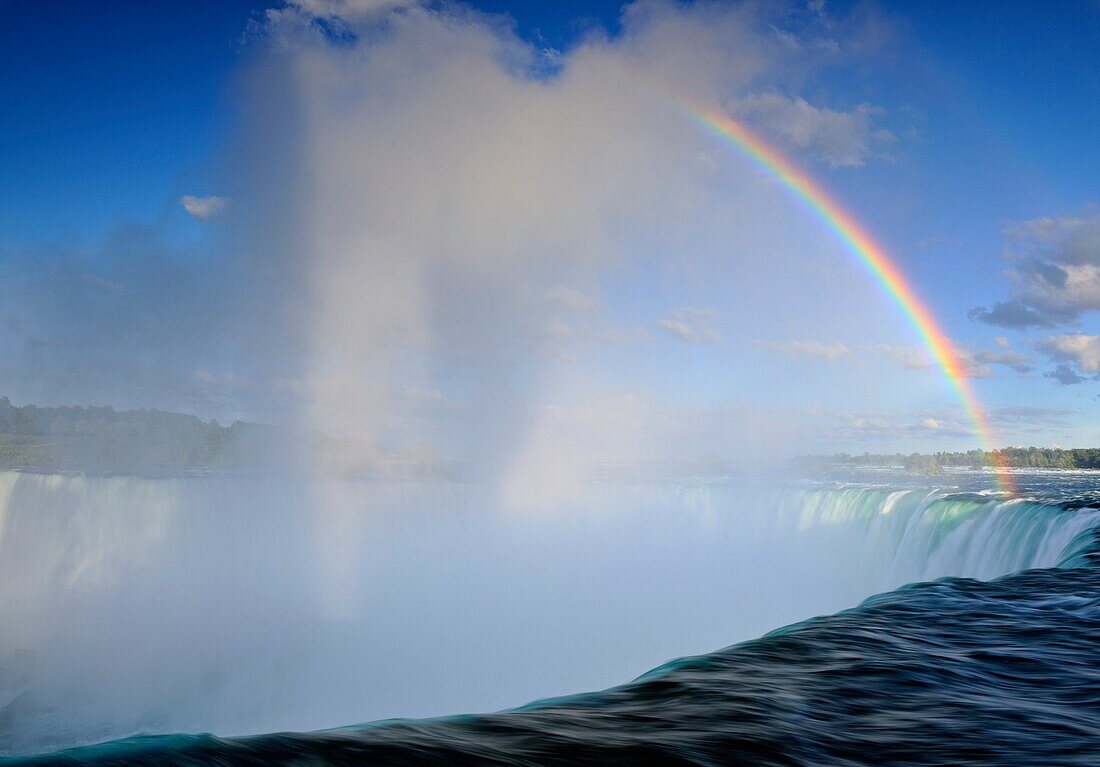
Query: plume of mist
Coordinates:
[429,237]
[476,219]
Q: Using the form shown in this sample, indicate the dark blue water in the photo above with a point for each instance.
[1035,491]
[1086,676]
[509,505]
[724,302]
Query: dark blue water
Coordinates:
[952,672]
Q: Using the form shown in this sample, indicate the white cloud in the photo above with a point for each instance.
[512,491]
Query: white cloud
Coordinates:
[1061,289]
[896,426]
[902,427]
[1080,349]
[204,208]
[981,360]
[1055,272]
[838,138]
[1045,231]
[831,352]
[1028,418]
[691,325]
[349,9]
[101,283]
[973,363]
[298,19]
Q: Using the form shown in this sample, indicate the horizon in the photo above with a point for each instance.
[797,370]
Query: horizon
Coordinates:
[400,449]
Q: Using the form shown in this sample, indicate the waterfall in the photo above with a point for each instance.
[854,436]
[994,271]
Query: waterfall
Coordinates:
[240,603]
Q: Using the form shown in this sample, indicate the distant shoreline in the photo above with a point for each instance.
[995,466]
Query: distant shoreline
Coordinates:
[102,440]
[1008,457]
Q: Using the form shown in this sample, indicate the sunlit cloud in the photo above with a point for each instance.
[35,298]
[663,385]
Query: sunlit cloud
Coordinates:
[838,138]
[973,362]
[1075,353]
[204,208]
[1054,266]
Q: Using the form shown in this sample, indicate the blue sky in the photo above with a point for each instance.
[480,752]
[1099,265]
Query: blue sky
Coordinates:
[962,135]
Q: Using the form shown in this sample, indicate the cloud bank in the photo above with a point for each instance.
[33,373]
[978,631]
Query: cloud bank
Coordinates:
[1054,271]
[840,139]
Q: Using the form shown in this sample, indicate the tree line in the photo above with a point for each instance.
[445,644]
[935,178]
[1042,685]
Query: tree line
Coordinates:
[104,439]
[1016,457]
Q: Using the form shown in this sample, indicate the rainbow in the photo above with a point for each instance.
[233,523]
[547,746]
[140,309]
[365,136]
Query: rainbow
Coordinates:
[869,253]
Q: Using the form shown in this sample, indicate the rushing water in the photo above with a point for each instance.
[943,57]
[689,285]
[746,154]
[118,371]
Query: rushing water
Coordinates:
[237,604]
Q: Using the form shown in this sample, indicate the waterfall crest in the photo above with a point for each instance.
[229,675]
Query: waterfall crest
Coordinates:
[246,603]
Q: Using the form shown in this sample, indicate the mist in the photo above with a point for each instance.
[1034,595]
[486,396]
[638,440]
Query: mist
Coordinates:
[433,236]
[231,604]
[531,260]
[430,232]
